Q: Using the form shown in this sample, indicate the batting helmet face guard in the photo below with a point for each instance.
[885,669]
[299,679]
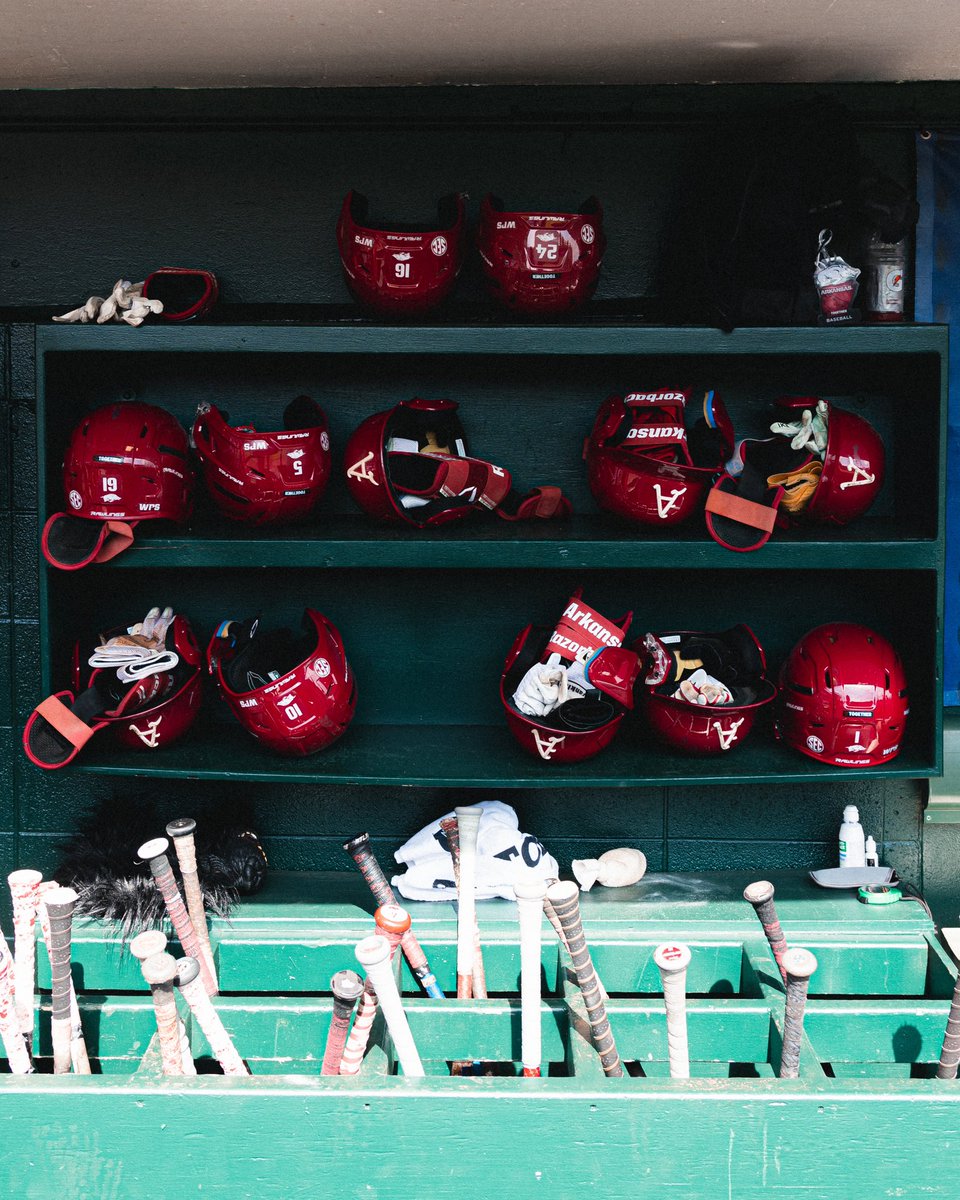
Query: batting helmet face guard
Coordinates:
[681,702]
[186,292]
[146,713]
[540,263]
[296,695]
[125,463]
[589,649]
[265,478]
[642,463]
[843,697]
[400,269]
[409,465]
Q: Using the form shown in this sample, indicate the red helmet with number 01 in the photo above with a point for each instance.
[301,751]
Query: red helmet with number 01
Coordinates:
[265,478]
[682,703]
[645,465]
[541,262]
[410,465]
[145,713]
[125,463]
[843,696]
[399,268]
[598,672]
[296,694]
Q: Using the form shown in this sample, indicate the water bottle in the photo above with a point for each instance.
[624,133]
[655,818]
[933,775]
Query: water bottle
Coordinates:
[883,283]
[852,847]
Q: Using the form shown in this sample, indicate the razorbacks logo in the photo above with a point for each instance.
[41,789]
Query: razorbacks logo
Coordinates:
[727,737]
[548,746]
[666,504]
[361,470]
[150,738]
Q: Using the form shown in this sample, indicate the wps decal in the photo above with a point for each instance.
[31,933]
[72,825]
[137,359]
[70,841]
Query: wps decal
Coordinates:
[666,504]
[360,470]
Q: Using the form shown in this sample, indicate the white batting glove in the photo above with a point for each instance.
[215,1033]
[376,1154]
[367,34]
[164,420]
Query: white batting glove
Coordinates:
[542,689]
[702,688]
[84,315]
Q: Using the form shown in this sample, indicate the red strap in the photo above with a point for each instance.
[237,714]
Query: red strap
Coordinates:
[478,481]
[63,720]
[544,502]
[744,512]
[117,536]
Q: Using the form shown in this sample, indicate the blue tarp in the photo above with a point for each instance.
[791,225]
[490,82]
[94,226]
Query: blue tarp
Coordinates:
[938,299]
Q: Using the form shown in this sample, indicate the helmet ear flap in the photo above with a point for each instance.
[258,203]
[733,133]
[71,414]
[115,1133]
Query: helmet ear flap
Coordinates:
[608,420]
[613,671]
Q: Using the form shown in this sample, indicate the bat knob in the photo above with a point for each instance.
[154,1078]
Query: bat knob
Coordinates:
[356,843]
[392,918]
[146,945]
[759,892]
[24,880]
[372,951]
[530,889]
[181,827]
[153,849]
[347,986]
[60,898]
[672,957]
[799,963]
[188,969]
[159,969]
[562,892]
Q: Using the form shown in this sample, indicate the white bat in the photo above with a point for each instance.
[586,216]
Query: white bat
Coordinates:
[373,954]
[672,959]
[468,822]
[530,894]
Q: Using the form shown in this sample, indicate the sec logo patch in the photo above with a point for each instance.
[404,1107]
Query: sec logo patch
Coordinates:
[814,744]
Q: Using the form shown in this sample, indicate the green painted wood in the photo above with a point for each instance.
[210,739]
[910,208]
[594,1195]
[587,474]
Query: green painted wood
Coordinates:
[877,1030]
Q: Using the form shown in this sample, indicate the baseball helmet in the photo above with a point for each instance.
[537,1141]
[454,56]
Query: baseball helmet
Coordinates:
[409,465]
[770,481]
[148,712]
[125,463]
[399,269]
[681,716]
[643,463]
[295,694]
[843,696]
[264,478]
[587,722]
[541,262]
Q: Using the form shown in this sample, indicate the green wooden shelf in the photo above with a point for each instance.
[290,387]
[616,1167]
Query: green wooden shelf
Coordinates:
[465,756]
[583,542]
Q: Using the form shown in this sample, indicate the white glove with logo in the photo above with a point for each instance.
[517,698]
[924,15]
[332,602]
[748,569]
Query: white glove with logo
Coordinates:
[702,688]
[809,433]
[542,689]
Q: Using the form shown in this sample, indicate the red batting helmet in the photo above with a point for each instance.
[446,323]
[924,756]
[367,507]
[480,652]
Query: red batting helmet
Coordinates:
[843,696]
[643,465]
[150,713]
[541,262]
[401,269]
[409,465]
[296,695]
[125,463]
[265,478]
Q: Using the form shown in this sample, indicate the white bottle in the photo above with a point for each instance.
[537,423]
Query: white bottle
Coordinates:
[872,858]
[852,849]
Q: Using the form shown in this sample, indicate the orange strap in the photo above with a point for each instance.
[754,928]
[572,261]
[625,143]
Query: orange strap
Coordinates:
[745,512]
[56,713]
[118,535]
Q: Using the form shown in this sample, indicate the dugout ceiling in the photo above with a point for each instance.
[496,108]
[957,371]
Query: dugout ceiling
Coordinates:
[312,43]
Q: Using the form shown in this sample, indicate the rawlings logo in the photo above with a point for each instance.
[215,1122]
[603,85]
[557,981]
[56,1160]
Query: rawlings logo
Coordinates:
[548,746]
[360,470]
[292,437]
[666,504]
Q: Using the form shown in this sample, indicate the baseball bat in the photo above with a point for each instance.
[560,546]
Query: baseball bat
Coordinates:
[155,853]
[373,954]
[181,833]
[13,1044]
[60,903]
[565,898]
[760,895]
[672,959]
[468,826]
[347,987]
[145,945]
[25,895]
[392,922]
[187,979]
[799,966]
[452,832]
[551,914]
[950,1051]
[530,894]
[359,850]
[159,970]
[78,1046]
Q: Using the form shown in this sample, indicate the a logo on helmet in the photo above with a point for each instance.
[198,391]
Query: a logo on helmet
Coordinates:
[666,504]
[547,747]
[363,240]
[151,739]
[76,500]
[587,234]
[318,669]
[296,454]
[256,444]
[727,737]
[325,441]
[360,470]
[439,246]
[861,474]
[815,744]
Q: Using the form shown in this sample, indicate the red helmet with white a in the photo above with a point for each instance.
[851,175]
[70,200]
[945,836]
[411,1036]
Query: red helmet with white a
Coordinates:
[565,691]
[147,707]
[645,465]
[263,477]
[397,268]
[296,694]
[125,463]
[703,691]
[843,696]
[541,262]
[409,465]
